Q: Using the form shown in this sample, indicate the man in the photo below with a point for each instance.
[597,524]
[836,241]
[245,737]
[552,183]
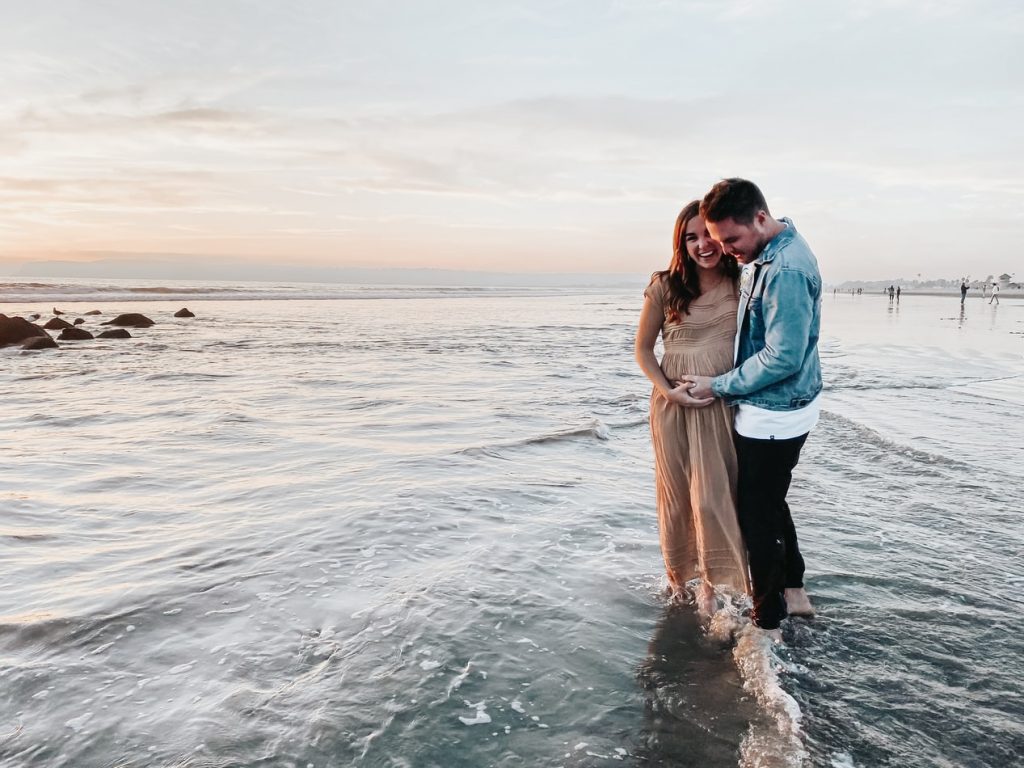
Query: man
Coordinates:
[774,385]
[995,294]
[963,291]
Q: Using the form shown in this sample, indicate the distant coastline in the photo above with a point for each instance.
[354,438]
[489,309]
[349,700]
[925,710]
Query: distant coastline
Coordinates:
[232,271]
[163,267]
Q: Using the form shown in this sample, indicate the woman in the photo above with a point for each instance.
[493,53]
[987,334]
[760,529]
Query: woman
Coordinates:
[692,304]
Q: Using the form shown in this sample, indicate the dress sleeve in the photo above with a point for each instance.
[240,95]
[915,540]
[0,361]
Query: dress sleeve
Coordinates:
[655,291]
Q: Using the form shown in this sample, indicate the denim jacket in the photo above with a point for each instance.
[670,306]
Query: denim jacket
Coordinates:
[777,327]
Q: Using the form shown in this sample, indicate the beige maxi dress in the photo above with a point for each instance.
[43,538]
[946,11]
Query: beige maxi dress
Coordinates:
[694,456]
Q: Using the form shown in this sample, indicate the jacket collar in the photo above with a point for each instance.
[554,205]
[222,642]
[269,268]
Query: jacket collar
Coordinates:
[777,243]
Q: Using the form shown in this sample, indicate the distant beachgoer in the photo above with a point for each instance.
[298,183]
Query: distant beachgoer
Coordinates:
[963,291]
[995,294]
[892,293]
[898,291]
[775,386]
[692,304]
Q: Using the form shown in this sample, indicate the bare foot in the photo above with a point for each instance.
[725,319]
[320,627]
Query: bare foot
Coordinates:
[707,603]
[774,635]
[798,603]
[678,595]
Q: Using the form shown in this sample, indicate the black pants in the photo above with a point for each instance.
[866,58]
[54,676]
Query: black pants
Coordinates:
[765,471]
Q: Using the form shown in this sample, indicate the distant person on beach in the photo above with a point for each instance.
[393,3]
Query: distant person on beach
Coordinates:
[775,386]
[692,305]
[995,294]
[963,291]
[892,292]
[898,290]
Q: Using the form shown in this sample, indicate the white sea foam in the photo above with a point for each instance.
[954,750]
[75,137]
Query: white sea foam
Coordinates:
[480,717]
[776,740]
[458,680]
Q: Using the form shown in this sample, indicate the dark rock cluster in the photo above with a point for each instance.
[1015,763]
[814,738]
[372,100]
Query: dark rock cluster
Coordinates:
[16,330]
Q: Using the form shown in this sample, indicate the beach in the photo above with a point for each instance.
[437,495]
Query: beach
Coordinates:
[324,525]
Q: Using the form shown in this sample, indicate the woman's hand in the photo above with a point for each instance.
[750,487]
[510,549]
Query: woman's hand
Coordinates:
[680,395]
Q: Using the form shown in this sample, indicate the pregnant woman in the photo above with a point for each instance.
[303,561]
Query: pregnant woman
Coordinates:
[692,305]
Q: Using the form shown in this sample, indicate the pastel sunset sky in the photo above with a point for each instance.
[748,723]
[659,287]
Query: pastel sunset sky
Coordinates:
[509,136]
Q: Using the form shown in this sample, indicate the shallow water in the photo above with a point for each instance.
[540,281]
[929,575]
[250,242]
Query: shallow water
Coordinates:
[420,531]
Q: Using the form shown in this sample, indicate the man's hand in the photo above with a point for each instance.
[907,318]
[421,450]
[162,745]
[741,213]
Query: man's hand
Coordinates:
[700,386]
[680,395]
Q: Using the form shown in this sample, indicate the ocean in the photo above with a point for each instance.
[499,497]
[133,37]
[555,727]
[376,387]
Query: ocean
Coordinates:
[327,525]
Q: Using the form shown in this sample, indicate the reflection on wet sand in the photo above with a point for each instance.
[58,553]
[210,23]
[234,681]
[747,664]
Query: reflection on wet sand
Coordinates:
[695,710]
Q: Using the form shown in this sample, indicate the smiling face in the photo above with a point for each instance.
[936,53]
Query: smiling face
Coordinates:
[700,247]
[744,241]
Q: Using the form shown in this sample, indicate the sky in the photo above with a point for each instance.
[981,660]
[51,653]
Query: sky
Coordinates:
[509,136]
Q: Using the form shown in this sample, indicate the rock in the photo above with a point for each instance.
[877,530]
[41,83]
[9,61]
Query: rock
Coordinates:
[94,312]
[183,312]
[132,320]
[118,333]
[79,321]
[74,334]
[14,330]
[40,342]
[56,324]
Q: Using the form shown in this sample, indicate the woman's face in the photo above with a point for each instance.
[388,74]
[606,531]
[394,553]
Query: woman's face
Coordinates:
[705,252]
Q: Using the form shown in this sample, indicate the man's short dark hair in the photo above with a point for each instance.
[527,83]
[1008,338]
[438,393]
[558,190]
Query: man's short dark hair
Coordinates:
[737,199]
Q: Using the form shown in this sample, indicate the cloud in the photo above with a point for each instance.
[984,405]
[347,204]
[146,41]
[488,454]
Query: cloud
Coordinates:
[466,121]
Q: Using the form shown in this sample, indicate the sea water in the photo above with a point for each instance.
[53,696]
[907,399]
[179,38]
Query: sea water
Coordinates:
[342,525]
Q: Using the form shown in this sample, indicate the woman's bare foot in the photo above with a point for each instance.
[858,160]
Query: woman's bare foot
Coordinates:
[798,603]
[678,594]
[707,603]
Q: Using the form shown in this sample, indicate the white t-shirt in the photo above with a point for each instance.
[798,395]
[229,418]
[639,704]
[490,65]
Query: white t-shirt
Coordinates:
[762,424]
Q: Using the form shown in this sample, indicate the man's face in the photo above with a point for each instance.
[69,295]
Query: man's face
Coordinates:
[744,241]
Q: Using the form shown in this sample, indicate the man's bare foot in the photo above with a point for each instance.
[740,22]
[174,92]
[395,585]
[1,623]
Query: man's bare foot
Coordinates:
[774,635]
[707,603]
[798,603]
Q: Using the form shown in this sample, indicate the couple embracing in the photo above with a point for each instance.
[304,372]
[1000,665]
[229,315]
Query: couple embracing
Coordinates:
[735,395]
